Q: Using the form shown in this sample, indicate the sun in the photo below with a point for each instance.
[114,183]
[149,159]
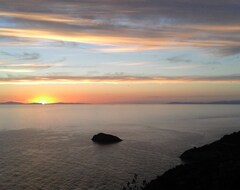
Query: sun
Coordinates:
[43,100]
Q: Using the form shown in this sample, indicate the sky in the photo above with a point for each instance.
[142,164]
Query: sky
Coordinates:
[119,51]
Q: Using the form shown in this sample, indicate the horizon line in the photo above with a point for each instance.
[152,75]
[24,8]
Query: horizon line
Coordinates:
[169,102]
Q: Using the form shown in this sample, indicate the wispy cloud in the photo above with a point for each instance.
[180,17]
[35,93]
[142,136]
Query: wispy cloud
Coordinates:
[21,56]
[178,59]
[185,66]
[40,17]
[128,63]
[120,43]
[116,79]
[16,70]
[28,65]
[23,67]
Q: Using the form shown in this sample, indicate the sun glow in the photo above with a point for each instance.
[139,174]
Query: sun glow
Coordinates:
[43,100]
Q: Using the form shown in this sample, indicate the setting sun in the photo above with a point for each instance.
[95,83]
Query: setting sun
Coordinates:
[43,100]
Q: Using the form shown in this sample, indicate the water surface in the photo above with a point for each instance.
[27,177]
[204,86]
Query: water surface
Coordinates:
[48,146]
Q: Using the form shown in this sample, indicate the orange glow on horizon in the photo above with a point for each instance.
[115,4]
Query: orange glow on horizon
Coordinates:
[43,100]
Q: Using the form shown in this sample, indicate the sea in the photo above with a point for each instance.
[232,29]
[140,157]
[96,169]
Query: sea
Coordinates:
[49,147]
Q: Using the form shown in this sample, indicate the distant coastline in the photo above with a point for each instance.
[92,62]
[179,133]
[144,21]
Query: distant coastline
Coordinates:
[210,102]
[21,103]
[225,102]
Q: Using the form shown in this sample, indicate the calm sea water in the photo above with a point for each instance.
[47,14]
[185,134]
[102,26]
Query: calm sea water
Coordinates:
[49,147]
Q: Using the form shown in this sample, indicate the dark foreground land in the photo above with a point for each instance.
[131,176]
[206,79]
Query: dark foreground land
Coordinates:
[215,166]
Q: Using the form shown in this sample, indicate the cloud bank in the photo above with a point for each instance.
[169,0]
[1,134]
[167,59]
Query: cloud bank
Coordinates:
[125,26]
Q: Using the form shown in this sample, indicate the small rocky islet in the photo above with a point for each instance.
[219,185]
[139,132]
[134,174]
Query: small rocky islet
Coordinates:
[103,138]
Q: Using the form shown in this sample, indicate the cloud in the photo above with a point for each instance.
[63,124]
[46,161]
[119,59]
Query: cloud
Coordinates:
[128,63]
[185,66]
[27,65]
[228,51]
[126,26]
[40,17]
[21,56]
[119,42]
[116,79]
[22,66]
[16,70]
[204,11]
[178,59]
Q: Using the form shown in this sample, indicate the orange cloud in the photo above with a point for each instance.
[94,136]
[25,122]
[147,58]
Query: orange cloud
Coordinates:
[215,28]
[46,17]
[110,43]
[118,79]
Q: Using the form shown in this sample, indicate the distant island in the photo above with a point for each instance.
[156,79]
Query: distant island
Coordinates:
[215,166]
[209,102]
[34,103]
[11,103]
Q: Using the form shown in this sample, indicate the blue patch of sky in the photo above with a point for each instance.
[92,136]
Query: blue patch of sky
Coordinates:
[6,23]
[80,59]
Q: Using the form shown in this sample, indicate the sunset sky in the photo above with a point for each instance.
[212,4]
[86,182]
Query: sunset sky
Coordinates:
[119,51]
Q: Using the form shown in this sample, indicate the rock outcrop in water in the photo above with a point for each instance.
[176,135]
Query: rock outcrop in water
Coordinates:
[103,138]
[215,166]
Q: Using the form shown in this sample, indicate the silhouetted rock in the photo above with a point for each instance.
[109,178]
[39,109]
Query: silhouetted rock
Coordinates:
[215,166]
[225,148]
[103,138]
